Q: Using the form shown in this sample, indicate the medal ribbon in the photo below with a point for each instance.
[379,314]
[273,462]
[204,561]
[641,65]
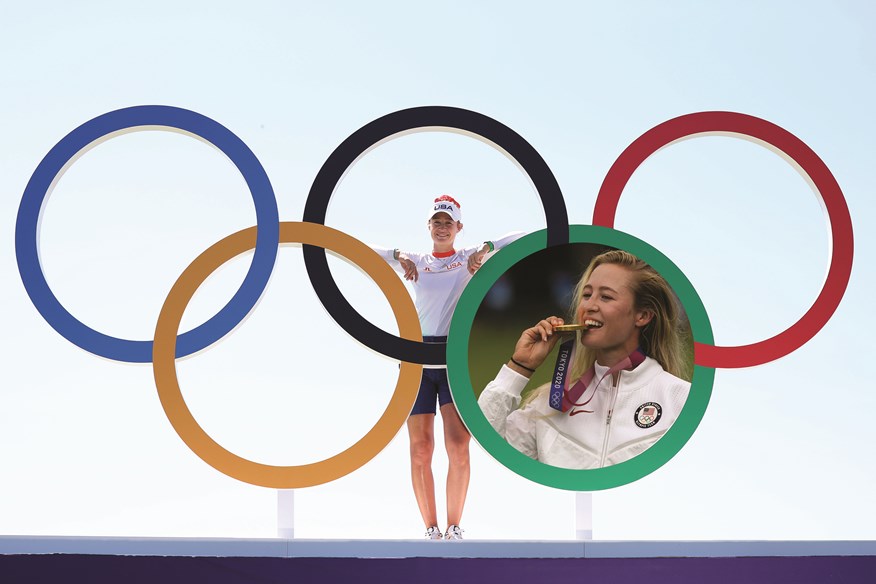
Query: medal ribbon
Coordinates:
[563,397]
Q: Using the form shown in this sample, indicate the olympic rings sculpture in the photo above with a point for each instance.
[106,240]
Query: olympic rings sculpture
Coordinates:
[168,344]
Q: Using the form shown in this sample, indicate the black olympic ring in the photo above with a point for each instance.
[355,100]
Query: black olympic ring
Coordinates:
[356,145]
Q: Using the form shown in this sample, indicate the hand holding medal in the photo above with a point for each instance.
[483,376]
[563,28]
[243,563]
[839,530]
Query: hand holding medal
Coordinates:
[534,345]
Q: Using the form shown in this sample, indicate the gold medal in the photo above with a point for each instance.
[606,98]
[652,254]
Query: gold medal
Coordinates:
[570,328]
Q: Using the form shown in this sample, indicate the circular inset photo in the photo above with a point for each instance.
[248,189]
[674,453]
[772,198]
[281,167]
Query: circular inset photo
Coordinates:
[573,365]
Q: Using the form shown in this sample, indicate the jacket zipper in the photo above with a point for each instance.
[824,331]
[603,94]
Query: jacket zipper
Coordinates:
[614,391]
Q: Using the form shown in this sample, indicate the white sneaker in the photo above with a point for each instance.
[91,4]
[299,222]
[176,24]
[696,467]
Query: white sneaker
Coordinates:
[433,533]
[453,532]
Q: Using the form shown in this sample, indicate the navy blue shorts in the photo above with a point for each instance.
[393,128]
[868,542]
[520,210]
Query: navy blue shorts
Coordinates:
[433,384]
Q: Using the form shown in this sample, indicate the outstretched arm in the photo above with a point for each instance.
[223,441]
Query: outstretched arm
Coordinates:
[408,265]
[400,260]
[476,259]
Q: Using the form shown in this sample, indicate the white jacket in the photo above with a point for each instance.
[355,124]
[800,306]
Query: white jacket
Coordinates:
[626,420]
[441,282]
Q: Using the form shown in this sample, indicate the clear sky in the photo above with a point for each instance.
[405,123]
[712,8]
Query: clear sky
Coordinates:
[784,451]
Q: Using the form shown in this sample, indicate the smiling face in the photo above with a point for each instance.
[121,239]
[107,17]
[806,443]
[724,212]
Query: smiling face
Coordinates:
[443,230]
[607,304]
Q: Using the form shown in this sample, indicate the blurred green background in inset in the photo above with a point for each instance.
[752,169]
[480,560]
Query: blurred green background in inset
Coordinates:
[536,287]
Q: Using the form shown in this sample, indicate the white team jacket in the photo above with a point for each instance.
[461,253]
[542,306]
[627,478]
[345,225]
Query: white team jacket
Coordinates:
[441,282]
[626,420]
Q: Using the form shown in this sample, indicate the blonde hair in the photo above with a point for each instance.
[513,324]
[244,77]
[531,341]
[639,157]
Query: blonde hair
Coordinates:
[663,338]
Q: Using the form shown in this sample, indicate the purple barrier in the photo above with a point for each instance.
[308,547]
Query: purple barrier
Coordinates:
[141,569]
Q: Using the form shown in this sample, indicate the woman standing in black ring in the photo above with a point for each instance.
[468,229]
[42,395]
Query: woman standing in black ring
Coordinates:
[438,279]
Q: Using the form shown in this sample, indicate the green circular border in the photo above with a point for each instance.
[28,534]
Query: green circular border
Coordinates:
[563,478]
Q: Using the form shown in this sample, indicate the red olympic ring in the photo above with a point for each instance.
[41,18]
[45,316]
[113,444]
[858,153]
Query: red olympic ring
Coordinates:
[826,187]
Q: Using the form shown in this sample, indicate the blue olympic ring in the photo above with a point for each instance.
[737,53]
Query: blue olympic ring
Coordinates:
[80,139]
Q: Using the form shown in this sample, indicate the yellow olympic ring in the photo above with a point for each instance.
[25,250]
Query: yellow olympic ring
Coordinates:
[305,475]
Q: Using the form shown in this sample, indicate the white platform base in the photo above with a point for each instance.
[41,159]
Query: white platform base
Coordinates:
[303,548]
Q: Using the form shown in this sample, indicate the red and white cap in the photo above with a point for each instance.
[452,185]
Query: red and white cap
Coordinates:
[446,204]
